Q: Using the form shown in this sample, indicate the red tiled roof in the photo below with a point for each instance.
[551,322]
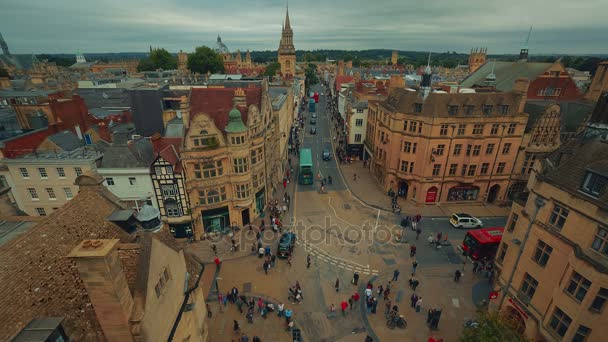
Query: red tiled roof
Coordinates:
[342,79]
[217,102]
[168,149]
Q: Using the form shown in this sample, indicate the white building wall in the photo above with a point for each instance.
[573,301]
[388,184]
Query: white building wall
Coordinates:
[354,129]
[125,189]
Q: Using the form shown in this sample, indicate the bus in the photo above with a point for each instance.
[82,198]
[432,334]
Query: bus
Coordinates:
[306,175]
[482,243]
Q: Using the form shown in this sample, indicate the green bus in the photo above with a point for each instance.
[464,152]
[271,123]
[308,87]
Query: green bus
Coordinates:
[306,173]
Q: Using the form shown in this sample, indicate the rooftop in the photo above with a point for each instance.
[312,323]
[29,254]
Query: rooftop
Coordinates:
[506,73]
[85,153]
[12,228]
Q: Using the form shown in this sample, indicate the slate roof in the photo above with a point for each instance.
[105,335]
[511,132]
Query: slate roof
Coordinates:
[175,128]
[506,73]
[217,103]
[136,154]
[66,140]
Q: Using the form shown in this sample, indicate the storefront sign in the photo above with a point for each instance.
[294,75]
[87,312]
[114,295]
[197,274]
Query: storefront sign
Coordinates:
[518,308]
[431,195]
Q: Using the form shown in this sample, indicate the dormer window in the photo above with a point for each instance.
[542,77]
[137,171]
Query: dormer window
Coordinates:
[487,109]
[468,109]
[594,184]
[417,107]
[452,110]
[238,140]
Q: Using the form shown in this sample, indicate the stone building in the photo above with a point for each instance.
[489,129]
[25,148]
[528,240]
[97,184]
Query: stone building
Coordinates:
[477,58]
[233,61]
[287,52]
[231,155]
[394,57]
[182,62]
[99,276]
[435,147]
[599,84]
[553,260]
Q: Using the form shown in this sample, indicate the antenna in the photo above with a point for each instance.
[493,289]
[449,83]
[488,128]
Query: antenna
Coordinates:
[528,37]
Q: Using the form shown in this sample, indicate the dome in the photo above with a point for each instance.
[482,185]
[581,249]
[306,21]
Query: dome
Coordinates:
[235,123]
[149,218]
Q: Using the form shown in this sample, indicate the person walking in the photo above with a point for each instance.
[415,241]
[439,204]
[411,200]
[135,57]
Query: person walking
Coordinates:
[418,304]
[374,305]
[395,275]
[337,284]
[457,275]
[344,305]
[280,309]
[308,261]
[415,283]
[387,307]
[414,266]
[209,313]
[265,266]
[260,304]
[412,251]
[235,326]
[217,262]
[355,278]
[475,266]
[380,290]
[413,300]
[387,291]
[214,248]
[418,232]
[350,302]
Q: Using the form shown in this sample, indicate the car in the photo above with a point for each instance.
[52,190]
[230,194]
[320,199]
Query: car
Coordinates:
[313,130]
[462,220]
[314,115]
[313,121]
[286,244]
[326,154]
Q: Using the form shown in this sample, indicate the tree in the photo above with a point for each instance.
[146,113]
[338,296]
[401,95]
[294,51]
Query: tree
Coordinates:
[493,327]
[272,68]
[311,75]
[309,57]
[158,59]
[205,60]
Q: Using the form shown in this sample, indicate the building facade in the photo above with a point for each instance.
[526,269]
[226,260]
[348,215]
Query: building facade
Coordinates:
[477,58]
[287,52]
[435,147]
[553,260]
[599,84]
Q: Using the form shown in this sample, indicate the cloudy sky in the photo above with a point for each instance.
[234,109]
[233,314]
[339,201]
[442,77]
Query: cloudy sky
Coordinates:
[64,26]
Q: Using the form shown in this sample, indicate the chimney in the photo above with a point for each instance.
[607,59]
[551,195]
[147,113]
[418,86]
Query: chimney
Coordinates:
[184,108]
[397,81]
[521,88]
[101,272]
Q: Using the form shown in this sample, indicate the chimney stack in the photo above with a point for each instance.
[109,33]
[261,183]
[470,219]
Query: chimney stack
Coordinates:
[397,81]
[521,88]
[101,272]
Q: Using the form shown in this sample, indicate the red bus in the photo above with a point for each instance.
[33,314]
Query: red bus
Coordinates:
[482,243]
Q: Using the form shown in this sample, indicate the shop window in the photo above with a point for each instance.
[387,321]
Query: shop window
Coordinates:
[463,193]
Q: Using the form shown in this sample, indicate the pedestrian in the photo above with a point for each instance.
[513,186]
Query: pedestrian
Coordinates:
[244,338]
[429,315]
[412,251]
[395,275]
[368,293]
[386,293]
[418,304]
[260,252]
[413,300]
[267,251]
[457,275]
[344,305]
[235,326]
[475,266]
[387,307]
[380,290]
[239,305]
[415,284]
[374,305]
[355,278]
[350,302]
[280,309]
[389,285]
[308,261]
[260,304]
[435,319]
[369,302]
[217,262]
[414,265]
[418,231]
[214,248]
[234,293]
[354,177]
[266,265]
[337,284]
[209,313]
[289,260]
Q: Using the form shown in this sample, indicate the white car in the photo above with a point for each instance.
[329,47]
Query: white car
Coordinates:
[462,221]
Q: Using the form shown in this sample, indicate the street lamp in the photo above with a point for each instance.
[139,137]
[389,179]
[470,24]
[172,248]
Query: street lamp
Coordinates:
[538,204]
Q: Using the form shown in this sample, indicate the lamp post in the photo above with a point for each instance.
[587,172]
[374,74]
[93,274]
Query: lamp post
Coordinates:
[538,204]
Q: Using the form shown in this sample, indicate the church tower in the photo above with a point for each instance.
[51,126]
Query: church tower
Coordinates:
[287,52]
[394,57]
[477,58]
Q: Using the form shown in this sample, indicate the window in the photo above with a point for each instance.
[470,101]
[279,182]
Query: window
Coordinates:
[209,170]
[489,148]
[42,172]
[68,193]
[494,129]
[357,137]
[172,210]
[242,191]
[457,149]
[503,109]
[237,140]
[169,170]
[578,286]
[436,169]
[51,193]
[24,172]
[543,252]
[581,334]
[476,150]
[404,166]
[212,196]
[78,171]
[500,169]
[453,168]
[559,322]
[158,170]
[405,125]
[513,222]
[600,243]
[484,168]
[529,160]
[407,147]
[469,147]
[511,129]
[461,129]
[413,126]
[487,109]
[440,149]
[359,122]
[33,194]
[594,184]
[443,130]
[110,181]
[506,148]
[478,129]
[411,167]
[558,216]
[472,170]
[417,107]
[41,211]
[414,145]
[452,110]
[240,165]
[168,190]
[500,257]
[463,171]
[528,286]
[60,172]
[132,181]
[599,300]
[468,109]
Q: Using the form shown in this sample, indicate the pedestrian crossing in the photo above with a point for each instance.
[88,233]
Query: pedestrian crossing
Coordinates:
[336,261]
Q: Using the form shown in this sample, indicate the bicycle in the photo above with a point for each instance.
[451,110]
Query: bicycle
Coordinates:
[396,321]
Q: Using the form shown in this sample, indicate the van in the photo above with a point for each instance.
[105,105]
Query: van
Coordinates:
[286,244]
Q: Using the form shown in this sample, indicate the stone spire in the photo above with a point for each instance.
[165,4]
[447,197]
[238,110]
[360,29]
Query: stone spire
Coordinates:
[4,46]
[287,25]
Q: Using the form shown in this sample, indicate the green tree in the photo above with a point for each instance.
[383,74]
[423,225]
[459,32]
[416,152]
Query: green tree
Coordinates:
[158,59]
[309,57]
[205,60]
[311,75]
[272,69]
[493,327]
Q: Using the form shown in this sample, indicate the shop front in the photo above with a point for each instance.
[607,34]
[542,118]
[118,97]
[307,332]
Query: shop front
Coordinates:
[355,151]
[431,195]
[463,193]
[216,220]
[260,201]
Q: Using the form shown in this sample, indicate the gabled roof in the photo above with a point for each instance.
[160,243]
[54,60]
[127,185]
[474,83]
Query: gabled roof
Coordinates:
[506,73]
[168,149]
[217,103]
[66,140]
[37,279]
[136,154]
[343,79]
